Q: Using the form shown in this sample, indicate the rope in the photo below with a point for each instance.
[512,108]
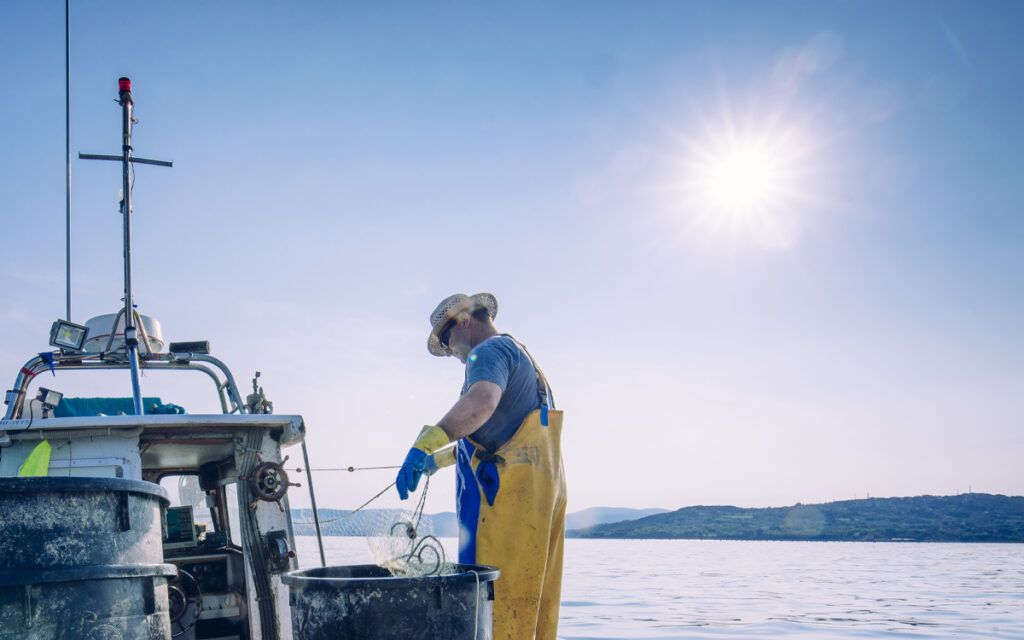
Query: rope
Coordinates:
[299,469]
[419,507]
[405,561]
[418,513]
[410,528]
[352,513]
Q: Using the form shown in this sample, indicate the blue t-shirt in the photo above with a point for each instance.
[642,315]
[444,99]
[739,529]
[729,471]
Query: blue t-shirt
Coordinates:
[500,360]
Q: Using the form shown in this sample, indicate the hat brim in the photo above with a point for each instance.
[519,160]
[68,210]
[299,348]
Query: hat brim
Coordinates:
[469,303]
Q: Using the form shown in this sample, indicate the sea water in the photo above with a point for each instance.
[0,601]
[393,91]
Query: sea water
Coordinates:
[675,589]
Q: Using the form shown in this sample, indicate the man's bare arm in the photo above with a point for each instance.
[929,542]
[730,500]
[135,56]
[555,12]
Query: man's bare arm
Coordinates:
[472,410]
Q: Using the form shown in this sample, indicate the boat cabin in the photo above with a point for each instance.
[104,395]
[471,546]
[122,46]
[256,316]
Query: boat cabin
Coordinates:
[227,525]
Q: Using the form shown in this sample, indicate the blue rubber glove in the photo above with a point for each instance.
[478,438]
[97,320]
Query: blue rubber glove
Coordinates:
[409,474]
[431,439]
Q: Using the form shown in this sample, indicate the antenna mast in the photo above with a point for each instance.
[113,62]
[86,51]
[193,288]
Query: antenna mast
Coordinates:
[131,340]
[67,140]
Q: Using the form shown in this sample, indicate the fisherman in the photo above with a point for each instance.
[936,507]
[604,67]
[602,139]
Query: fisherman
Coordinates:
[510,482]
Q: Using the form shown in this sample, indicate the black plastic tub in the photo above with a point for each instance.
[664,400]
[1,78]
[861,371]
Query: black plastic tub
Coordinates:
[82,558]
[366,601]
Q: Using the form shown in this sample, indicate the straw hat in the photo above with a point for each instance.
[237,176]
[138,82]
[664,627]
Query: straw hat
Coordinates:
[448,309]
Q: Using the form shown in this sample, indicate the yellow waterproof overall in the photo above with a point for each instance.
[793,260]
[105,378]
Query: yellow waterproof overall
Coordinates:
[512,516]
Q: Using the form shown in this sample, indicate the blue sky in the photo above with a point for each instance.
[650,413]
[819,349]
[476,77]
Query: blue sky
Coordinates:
[341,167]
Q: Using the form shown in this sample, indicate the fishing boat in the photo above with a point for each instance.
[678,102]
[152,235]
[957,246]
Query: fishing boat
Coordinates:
[218,530]
[227,532]
[127,518]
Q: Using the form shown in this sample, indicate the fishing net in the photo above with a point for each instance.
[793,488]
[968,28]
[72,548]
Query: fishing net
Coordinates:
[401,538]
[403,541]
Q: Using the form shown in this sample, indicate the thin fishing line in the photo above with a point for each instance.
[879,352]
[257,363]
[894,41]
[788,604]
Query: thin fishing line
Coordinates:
[418,513]
[411,527]
[382,492]
[300,470]
[351,513]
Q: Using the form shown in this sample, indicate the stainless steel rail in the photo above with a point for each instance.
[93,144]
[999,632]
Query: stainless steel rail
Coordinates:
[15,398]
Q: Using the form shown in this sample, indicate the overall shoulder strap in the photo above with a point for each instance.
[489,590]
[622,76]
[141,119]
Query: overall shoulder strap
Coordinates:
[547,397]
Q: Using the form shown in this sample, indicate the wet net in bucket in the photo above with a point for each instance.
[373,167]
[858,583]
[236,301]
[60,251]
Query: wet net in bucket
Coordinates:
[404,543]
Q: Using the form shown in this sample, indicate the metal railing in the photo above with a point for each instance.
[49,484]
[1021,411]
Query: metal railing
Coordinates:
[227,390]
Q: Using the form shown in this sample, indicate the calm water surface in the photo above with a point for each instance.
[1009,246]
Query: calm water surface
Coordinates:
[669,589]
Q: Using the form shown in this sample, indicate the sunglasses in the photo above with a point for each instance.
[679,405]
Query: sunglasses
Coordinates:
[447,333]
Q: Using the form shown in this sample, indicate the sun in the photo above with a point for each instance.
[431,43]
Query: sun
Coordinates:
[741,179]
[746,184]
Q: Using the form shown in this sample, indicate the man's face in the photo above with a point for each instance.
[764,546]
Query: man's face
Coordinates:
[459,337]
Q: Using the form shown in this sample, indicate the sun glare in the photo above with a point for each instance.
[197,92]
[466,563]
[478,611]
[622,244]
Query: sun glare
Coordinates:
[740,179]
[745,184]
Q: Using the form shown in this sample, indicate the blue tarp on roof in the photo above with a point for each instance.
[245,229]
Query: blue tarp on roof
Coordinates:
[72,407]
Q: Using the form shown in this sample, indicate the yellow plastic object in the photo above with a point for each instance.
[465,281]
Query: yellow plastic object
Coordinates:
[37,463]
[523,532]
[431,439]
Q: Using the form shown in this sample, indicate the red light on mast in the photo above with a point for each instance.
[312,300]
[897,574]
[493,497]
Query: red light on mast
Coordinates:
[124,84]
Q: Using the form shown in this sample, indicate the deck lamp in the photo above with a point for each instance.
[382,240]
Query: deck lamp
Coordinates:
[49,399]
[201,347]
[68,335]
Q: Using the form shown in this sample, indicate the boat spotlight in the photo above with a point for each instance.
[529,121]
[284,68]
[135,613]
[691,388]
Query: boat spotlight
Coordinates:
[201,347]
[49,399]
[68,335]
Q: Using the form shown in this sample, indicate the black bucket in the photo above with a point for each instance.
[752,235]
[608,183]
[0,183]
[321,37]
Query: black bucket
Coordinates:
[366,601]
[82,558]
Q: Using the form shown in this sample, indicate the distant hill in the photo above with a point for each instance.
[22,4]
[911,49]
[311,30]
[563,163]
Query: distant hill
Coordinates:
[970,517]
[336,522]
[601,515]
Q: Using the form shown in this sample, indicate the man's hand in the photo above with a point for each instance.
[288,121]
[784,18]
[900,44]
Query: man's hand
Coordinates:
[409,475]
[430,439]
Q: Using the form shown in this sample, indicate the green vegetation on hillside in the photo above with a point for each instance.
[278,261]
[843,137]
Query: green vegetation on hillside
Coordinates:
[970,517]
